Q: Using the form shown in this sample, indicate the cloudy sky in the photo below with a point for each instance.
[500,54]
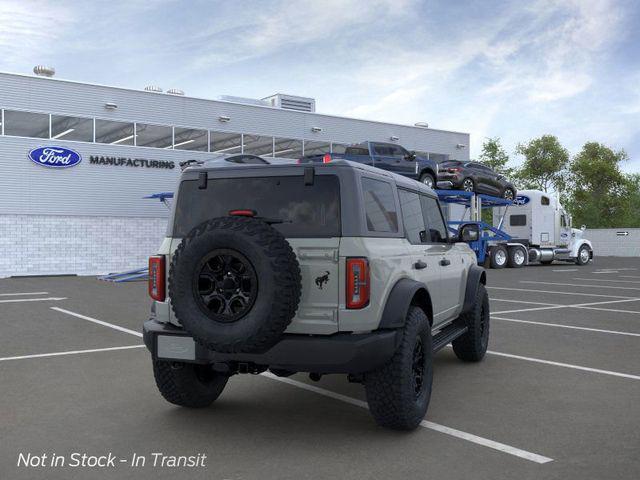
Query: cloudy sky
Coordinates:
[511,69]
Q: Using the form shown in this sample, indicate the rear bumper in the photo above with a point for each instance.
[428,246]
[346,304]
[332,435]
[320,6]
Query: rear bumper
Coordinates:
[338,353]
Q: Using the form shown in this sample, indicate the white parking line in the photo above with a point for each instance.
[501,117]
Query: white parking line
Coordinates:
[520,301]
[20,300]
[566,365]
[606,280]
[629,276]
[533,457]
[567,270]
[588,306]
[28,293]
[559,293]
[581,285]
[572,327]
[99,322]
[70,352]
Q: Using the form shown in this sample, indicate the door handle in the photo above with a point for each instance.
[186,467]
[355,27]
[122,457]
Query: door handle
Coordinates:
[444,262]
[419,265]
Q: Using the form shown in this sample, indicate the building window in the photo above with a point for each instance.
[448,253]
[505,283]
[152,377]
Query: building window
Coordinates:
[157,136]
[26,124]
[257,145]
[226,142]
[190,139]
[380,206]
[316,148]
[115,133]
[287,148]
[71,128]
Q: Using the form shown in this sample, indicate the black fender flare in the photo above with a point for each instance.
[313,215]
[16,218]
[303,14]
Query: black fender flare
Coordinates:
[400,299]
[430,171]
[475,277]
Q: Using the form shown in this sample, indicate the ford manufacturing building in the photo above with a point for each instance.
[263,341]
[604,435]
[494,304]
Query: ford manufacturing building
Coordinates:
[119,145]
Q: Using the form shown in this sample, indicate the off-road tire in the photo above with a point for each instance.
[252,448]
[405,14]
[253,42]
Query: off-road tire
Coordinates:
[494,256]
[427,176]
[187,384]
[472,346]
[277,274]
[390,390]
[512,261]
[579,260]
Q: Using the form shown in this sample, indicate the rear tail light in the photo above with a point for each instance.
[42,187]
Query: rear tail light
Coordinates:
[157,277]
[242,213]
[454,170]
[326,158]
[358,287]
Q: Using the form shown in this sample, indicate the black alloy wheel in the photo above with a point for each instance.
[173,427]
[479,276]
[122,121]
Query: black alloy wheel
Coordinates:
[225,285]
[467,185]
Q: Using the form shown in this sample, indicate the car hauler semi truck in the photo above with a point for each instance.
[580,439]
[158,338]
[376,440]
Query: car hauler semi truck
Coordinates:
[538,221]
[534,228]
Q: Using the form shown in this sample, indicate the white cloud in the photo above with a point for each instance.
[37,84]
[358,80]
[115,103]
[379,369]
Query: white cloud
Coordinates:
[30,29]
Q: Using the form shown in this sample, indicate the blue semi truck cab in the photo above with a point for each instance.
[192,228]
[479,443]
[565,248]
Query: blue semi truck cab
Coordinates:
[387,156]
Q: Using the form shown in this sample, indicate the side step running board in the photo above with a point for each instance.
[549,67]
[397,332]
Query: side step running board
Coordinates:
[447,335]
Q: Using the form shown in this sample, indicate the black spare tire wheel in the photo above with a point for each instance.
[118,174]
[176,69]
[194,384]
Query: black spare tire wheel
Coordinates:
[235,284]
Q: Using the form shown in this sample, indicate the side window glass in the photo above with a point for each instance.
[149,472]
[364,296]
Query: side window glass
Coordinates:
[437,230]
[544,201]
[412,216]
[380,207]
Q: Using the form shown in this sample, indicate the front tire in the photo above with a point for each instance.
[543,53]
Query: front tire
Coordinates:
[428,180]
[472,346]
[187,384]
[399,392]
[584,255]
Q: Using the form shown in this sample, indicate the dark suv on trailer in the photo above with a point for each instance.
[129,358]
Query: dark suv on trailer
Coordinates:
[475,177]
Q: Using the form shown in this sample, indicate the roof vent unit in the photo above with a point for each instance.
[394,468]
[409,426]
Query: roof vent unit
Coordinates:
[43,71]
[175,91]
[153,88]
[291,102]
[244,100]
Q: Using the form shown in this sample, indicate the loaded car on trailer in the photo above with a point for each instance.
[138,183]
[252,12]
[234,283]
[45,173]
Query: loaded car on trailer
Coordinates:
[386,156]
[330,268]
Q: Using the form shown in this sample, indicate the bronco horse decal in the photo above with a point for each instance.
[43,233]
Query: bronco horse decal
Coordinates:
[322,279]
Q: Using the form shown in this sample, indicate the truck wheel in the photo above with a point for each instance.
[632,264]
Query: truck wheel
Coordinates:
[499,256]
[472,346]
[428,180]
[399,392]
[235,284]
[517,257]
[188,384]
[584,255]
[508,194]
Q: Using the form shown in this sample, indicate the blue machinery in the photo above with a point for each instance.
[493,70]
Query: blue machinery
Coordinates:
[473,204]
[140,273]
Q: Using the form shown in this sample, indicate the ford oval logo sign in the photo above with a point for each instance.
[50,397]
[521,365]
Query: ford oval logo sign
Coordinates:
[521,200]
[55,157]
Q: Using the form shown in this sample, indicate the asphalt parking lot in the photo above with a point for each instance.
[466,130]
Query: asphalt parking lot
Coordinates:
[558,396]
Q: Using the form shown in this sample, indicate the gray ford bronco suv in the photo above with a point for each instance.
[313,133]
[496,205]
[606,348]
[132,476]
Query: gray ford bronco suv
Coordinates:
[328,268]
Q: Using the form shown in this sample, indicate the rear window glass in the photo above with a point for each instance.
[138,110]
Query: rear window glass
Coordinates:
[306,210]
[380,206]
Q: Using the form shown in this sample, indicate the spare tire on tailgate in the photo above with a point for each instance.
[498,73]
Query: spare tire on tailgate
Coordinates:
[235,284]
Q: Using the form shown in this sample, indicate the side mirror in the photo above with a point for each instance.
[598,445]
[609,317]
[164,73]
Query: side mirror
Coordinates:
[469,232]
[411,156]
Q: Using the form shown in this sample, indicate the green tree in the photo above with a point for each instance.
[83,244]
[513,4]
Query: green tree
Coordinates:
[545,164]
[600,194]
[494,156]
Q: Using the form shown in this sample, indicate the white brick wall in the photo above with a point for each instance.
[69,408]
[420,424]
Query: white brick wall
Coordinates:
[52,245]
[609,242]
